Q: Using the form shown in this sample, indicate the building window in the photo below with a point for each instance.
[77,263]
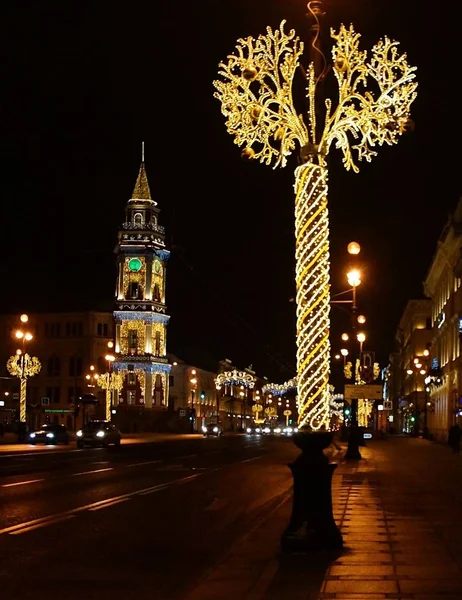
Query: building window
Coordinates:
[131,396]
[99,329]
[157,292]
[53,366]
[171,381]
[131,378]
[79,329]
[135,291]
[53,394]
[105,330]
[157,343]
[75,366]
[68,329]
[74,329]
[428,323]
[138,218]
[132,339]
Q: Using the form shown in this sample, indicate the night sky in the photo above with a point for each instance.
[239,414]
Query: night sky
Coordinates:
[84,83]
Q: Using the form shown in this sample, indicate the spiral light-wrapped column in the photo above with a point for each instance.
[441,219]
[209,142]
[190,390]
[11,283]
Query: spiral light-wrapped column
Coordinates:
[313,294]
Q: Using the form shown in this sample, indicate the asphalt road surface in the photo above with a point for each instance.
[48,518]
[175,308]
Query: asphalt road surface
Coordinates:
[146,520]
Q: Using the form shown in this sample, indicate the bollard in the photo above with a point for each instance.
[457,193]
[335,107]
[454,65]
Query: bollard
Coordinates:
[355,439]
[312,526]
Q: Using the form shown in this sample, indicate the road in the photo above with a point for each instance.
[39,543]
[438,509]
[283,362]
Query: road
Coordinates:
[148,519]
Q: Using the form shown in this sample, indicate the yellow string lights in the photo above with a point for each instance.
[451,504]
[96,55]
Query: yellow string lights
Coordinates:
[255,91]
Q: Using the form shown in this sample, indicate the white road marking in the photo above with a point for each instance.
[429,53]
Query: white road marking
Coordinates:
[29,525]
[94,471]
[182,457]
[33,527]
[148,462]
[250,459]
[22,482]
[109,504]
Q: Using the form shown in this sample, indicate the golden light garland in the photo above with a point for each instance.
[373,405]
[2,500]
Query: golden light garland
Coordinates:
[140,328]
[110,382]
[23,366]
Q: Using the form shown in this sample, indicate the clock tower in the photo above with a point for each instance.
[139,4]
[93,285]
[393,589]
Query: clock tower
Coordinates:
[140,315]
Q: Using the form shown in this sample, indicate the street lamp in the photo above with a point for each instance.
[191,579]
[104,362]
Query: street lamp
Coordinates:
[22,365]
[193,382]
[361,337]
[255,90]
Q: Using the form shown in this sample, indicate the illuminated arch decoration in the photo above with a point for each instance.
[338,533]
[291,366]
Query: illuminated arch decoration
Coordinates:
[279,389]
[235,377]
[375,93]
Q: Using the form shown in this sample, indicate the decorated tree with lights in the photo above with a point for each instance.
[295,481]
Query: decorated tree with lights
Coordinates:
[375,93]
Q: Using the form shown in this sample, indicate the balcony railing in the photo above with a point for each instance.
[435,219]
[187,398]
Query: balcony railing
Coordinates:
[143,226]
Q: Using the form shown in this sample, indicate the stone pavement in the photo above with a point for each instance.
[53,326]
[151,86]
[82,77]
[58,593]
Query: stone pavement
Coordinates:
[399,510]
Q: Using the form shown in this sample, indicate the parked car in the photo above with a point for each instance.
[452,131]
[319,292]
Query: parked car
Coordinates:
[212,429]
[49,434]
[98,433]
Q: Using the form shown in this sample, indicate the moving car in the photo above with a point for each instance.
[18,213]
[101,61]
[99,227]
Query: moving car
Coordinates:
[98,433]
[49,434]
[212,429]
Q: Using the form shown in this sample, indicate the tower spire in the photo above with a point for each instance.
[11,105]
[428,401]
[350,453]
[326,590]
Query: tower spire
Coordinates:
[141,190]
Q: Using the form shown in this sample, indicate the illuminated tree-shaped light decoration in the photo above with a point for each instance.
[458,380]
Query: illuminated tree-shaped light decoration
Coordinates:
[110,382]
[375,95]
[23,366]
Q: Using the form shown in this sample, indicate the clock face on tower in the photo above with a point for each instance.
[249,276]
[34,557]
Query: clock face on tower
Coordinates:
[157,267]
[134,264]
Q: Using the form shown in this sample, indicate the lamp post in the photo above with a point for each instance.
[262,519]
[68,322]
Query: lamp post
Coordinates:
[418,368]
[92,379]
[192,415]
[22,365]
[255,91]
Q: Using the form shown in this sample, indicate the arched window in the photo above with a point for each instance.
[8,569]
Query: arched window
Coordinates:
[135,291]
[138,219]
[157,297]
[157,343]
[158,391]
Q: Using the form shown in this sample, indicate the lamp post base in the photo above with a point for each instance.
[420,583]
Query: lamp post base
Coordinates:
[312,527]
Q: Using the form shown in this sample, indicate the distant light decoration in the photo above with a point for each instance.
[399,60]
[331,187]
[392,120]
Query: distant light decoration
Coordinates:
[23,366]
[111,382]
[255,92]
[278,389]
[235,377]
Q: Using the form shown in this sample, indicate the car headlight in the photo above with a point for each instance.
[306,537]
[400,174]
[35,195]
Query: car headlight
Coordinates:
[277,430]
[204,429]
[32,435]
[50,435]
[296,430]
[79,433]
[257,430]
[215,430]
[267,430]
[100,433]
[248,430]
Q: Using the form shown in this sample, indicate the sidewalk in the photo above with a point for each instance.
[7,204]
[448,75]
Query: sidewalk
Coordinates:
[400,521]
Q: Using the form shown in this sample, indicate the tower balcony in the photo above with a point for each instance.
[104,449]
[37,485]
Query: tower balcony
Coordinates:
[131,225]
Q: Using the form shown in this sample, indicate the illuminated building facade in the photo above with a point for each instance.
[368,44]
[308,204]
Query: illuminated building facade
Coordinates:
[443,286]
[140,315]
[409,367]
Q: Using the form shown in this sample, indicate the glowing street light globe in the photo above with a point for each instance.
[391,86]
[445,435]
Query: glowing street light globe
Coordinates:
[361,319]
[361,337]
[344,352]
[353,248]
[354,278]
[24,318]
[345,337]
